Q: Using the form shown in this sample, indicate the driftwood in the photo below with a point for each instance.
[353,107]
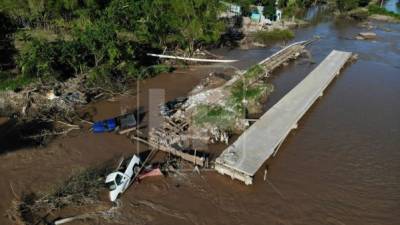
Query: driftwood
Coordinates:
[47,133]
[126,130]
[139,139]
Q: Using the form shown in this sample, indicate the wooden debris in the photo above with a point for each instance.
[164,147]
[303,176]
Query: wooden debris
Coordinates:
[177,132]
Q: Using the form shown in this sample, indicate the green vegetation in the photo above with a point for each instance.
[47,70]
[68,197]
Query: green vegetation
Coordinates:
[290,7]
[294,7]
[359,13]
[273,36]
[253,72]
[106,39]
[347,5]
[245,95]
[361,9]
[12,82]
[219,116]
[375,9]
[248,96]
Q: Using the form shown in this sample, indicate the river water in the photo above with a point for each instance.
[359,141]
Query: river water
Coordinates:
[341,166]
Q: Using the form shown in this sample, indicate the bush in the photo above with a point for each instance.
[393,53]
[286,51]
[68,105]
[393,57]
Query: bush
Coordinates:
[273,36]
[100,76]
[374,9]
[359,14]
[13,82]
[255,72]
[36,59]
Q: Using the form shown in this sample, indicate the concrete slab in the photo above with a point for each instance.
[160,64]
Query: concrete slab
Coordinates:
[247,154]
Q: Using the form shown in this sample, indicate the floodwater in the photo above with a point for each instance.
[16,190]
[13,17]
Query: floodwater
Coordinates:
[341,166]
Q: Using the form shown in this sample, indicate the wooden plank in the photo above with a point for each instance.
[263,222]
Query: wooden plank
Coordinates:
[200,161]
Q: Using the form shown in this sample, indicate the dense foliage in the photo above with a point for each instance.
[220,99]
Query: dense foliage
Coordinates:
[7,27]
[108,39]
[105,38]
[347,5]
[374,9]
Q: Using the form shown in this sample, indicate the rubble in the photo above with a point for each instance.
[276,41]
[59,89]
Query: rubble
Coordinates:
[213,114]
[56,100]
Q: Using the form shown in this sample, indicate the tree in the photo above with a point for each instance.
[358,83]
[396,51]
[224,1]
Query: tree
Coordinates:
[7,50]
[36,59]
[346,5]
[100,40]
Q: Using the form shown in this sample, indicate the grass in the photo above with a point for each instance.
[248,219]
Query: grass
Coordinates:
[10,82]
[219,116]
[254,73]
[23,35]
[249,97]
[374,9]
[244,95]
[275,35]
[245,89]
[239,93]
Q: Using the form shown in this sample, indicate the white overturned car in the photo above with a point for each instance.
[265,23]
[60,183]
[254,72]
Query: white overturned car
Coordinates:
[122,178]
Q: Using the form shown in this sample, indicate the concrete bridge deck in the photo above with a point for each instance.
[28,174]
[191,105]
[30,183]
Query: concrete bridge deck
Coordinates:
[247,154]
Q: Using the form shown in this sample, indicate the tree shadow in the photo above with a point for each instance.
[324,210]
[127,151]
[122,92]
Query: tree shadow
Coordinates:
[7,49]
[16,135]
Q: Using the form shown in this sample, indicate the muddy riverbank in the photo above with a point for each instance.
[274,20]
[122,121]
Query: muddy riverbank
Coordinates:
[341,166]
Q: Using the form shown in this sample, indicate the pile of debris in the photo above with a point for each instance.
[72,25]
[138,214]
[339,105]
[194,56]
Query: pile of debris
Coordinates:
[212,115]
[54,100]
[80,191]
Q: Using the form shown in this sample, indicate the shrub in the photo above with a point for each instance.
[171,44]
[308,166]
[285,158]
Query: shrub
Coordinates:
[13,82]
[255,72]
[359,14]
[273,36]
[374,9]
[36,59]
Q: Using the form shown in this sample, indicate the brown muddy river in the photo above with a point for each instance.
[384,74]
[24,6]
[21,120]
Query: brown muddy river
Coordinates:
[341,166]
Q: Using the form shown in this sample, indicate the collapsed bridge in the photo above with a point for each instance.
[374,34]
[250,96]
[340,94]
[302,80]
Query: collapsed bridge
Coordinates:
[247,154]
[177,131]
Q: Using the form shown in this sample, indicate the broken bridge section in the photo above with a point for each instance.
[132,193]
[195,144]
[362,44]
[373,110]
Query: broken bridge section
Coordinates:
[246,155]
